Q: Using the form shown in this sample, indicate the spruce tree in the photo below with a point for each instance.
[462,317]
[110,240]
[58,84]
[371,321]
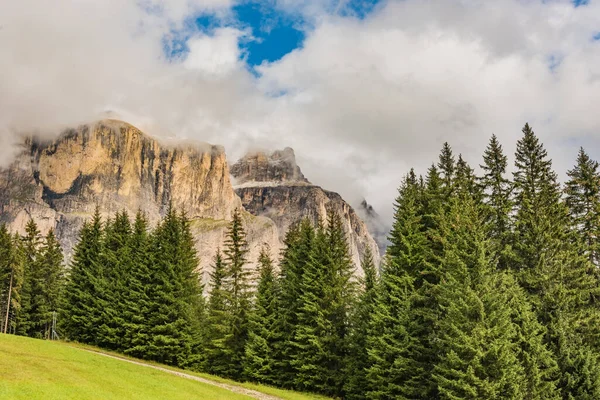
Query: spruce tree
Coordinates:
[49,279]
[583,199]
[216,355]
[540,216]
[339,301]
[237,286]
[84,292]
[311,333]
[116,261]
[191,295]
[397,341]
[259,364]
[31,302]
[447,167]
[552,268]
[475,335]
[357,363]
[172,292]
[465,181]
[299,241]
[10,276]
[497,190]
[136,302]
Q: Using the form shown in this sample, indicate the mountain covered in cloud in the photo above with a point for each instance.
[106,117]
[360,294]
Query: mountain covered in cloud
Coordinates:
[114,166]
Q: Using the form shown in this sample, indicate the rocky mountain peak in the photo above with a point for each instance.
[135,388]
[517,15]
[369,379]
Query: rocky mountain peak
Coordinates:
[260,167]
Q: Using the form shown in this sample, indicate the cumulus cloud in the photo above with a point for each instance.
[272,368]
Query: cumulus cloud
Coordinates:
[361,101]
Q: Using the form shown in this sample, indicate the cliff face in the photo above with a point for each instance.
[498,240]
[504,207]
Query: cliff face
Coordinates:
[113,166]
[273,186]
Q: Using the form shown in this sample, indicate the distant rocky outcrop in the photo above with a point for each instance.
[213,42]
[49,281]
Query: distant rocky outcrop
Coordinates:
[273,186]
[376,224]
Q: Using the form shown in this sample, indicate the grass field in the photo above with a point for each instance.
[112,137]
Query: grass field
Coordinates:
[38,369]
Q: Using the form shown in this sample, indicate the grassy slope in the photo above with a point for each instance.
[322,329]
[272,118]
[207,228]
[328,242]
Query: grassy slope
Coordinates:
[32,369]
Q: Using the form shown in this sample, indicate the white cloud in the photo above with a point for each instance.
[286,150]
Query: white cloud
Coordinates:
[217,54]
[361,101]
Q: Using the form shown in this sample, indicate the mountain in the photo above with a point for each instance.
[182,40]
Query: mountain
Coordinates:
[272,185]
[114,166]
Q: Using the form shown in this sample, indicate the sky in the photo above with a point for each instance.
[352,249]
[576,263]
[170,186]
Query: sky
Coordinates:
[362,90]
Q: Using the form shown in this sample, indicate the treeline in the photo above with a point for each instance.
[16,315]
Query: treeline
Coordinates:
[490,289]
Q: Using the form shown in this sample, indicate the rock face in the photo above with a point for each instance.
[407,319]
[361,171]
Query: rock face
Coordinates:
[273,186]
[277,167]
[112,165]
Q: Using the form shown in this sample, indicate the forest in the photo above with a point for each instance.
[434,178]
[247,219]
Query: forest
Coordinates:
[489,289]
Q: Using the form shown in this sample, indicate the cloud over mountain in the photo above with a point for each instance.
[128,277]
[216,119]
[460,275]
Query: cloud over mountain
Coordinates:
[361,100]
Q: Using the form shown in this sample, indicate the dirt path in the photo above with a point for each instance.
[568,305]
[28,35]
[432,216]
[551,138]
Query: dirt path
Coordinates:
[232,388]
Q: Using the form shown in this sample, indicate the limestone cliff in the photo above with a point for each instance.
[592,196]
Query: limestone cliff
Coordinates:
[272,185]
[112,165]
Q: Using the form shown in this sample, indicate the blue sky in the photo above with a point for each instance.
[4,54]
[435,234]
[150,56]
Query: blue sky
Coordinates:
[275,32]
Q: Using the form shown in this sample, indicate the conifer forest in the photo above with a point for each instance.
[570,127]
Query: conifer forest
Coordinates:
[489,289]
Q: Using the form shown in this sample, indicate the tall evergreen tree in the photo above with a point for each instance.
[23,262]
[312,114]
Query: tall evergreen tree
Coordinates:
[216,357]
[357,363]
[326,296]
[312,352]
[31,303]
[84,296]
[475,336]
[237,286]
[497,198]
[583,199]
[117,264]
[10,279]
[447,167]
[47,284]
[550,267]
[296,255]
[259,365]
[465,181]
[136,301]
[172,292]
[396,343]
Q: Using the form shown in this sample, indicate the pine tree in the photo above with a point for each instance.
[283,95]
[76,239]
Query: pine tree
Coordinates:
[552,269]
[357,364]
[116,261]
[540,217]
[339,301]
[136,302]
[259,365]
[478,354]
[465,181]
[583,199]
[10,275]
[172,292]
[191,295]
[312,352]
[497,198]
[84,292]
[29,314]
[237,287]
[50,282]
[447,167]
[216,357]
[296,254]
[396,343]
